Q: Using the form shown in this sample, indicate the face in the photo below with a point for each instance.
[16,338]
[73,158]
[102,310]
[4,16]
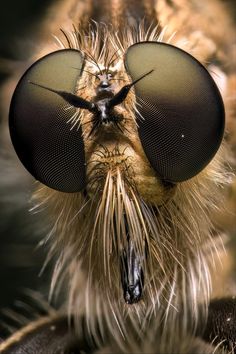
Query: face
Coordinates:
[112,142]
[123,134]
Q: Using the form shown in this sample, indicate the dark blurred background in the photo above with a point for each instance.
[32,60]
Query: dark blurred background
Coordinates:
[20,259]
[20,20]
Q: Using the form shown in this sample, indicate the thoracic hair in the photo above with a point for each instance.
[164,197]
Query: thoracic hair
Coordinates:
[170,223]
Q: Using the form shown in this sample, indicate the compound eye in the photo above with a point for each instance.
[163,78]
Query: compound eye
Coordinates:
[182,113]
[39,122]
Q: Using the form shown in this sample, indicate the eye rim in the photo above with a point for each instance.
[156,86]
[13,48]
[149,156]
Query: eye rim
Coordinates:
[11,119]
[216,93]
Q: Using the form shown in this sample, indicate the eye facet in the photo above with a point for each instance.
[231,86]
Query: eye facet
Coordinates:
[182,113]
[43,139]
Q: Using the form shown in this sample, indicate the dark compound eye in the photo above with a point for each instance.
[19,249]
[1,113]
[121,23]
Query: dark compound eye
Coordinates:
[182,109]
[39,127]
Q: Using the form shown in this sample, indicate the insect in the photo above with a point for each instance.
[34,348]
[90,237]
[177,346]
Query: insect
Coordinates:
[124,130]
